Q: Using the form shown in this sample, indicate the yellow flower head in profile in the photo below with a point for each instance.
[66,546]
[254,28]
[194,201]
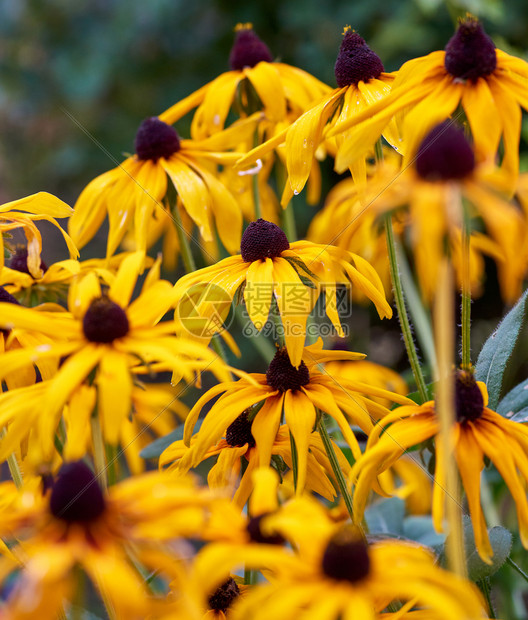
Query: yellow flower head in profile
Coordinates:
[296,392]
[333,572]
[489,84]
[479,432]
[361,80]
[106,331]
[256,82]
[23,213]
[294,275]
[132,194]
[445,186]
[74,524]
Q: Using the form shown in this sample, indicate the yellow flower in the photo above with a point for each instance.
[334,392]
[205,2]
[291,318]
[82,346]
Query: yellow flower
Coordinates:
[132,194]
[23,214]
[239,446]
[76,525]
[443,174]
[489,84]
[107,332]
[361,81]
[270,268]
[332,572]
[478,432]
[299,392]
[280,88]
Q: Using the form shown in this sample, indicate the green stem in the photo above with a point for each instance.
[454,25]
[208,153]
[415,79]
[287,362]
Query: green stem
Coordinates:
[288,223]
[332,457]
[14,467]
[466,298]
[516,567]
[485,589]
[99,451]
[250,577]
[112,460]
[183,238]
[295,466]
[421,320]
[402,312]
[217,346]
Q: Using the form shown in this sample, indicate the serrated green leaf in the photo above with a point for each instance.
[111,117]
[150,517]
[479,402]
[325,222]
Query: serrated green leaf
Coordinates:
[386,516]
[497,350]
[514,405]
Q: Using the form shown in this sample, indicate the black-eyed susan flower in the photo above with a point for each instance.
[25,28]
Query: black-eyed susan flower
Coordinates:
[105,331]
[76,525]
[280,88]
[489,84]
[270,268]
[444,187]
[361,81]
[132,194]
[23,213]
[296,392]
[333,572]
[479,432]
[237,453]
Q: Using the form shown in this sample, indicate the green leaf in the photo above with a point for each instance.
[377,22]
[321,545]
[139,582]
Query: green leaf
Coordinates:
[421,530]
[497,350]
[386,516]
[514,405]
[501,543]
[297,262]
[154,449]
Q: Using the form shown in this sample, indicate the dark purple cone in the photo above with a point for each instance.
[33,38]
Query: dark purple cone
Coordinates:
[356,62]
[445,154]
[248,50]
[470,53]
[155,139]
[76,496]
[104,321]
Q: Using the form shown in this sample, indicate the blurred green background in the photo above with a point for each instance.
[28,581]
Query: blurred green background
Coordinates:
[111,63]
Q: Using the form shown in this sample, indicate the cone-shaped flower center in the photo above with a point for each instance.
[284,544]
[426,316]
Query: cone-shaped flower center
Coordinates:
[19,261]
[223,597]
[105,321]
[346,558]
[155,139]
[470,53]
[76,495]
[248,50]
[256,535]
[445,154]
[282,376]
[239,432]
[262,240]
[356,62]
[469,402]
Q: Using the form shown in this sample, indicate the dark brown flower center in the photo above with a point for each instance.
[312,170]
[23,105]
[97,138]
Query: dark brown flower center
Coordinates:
[248,50]
[223,597]
[256,535]
[19,261]
[469,402]
[282,375]
[155,139]
[76,496]
[239,432]
[356,62]
[445,154]
[261,240]
[346,558]
[470,53]
[104,321]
